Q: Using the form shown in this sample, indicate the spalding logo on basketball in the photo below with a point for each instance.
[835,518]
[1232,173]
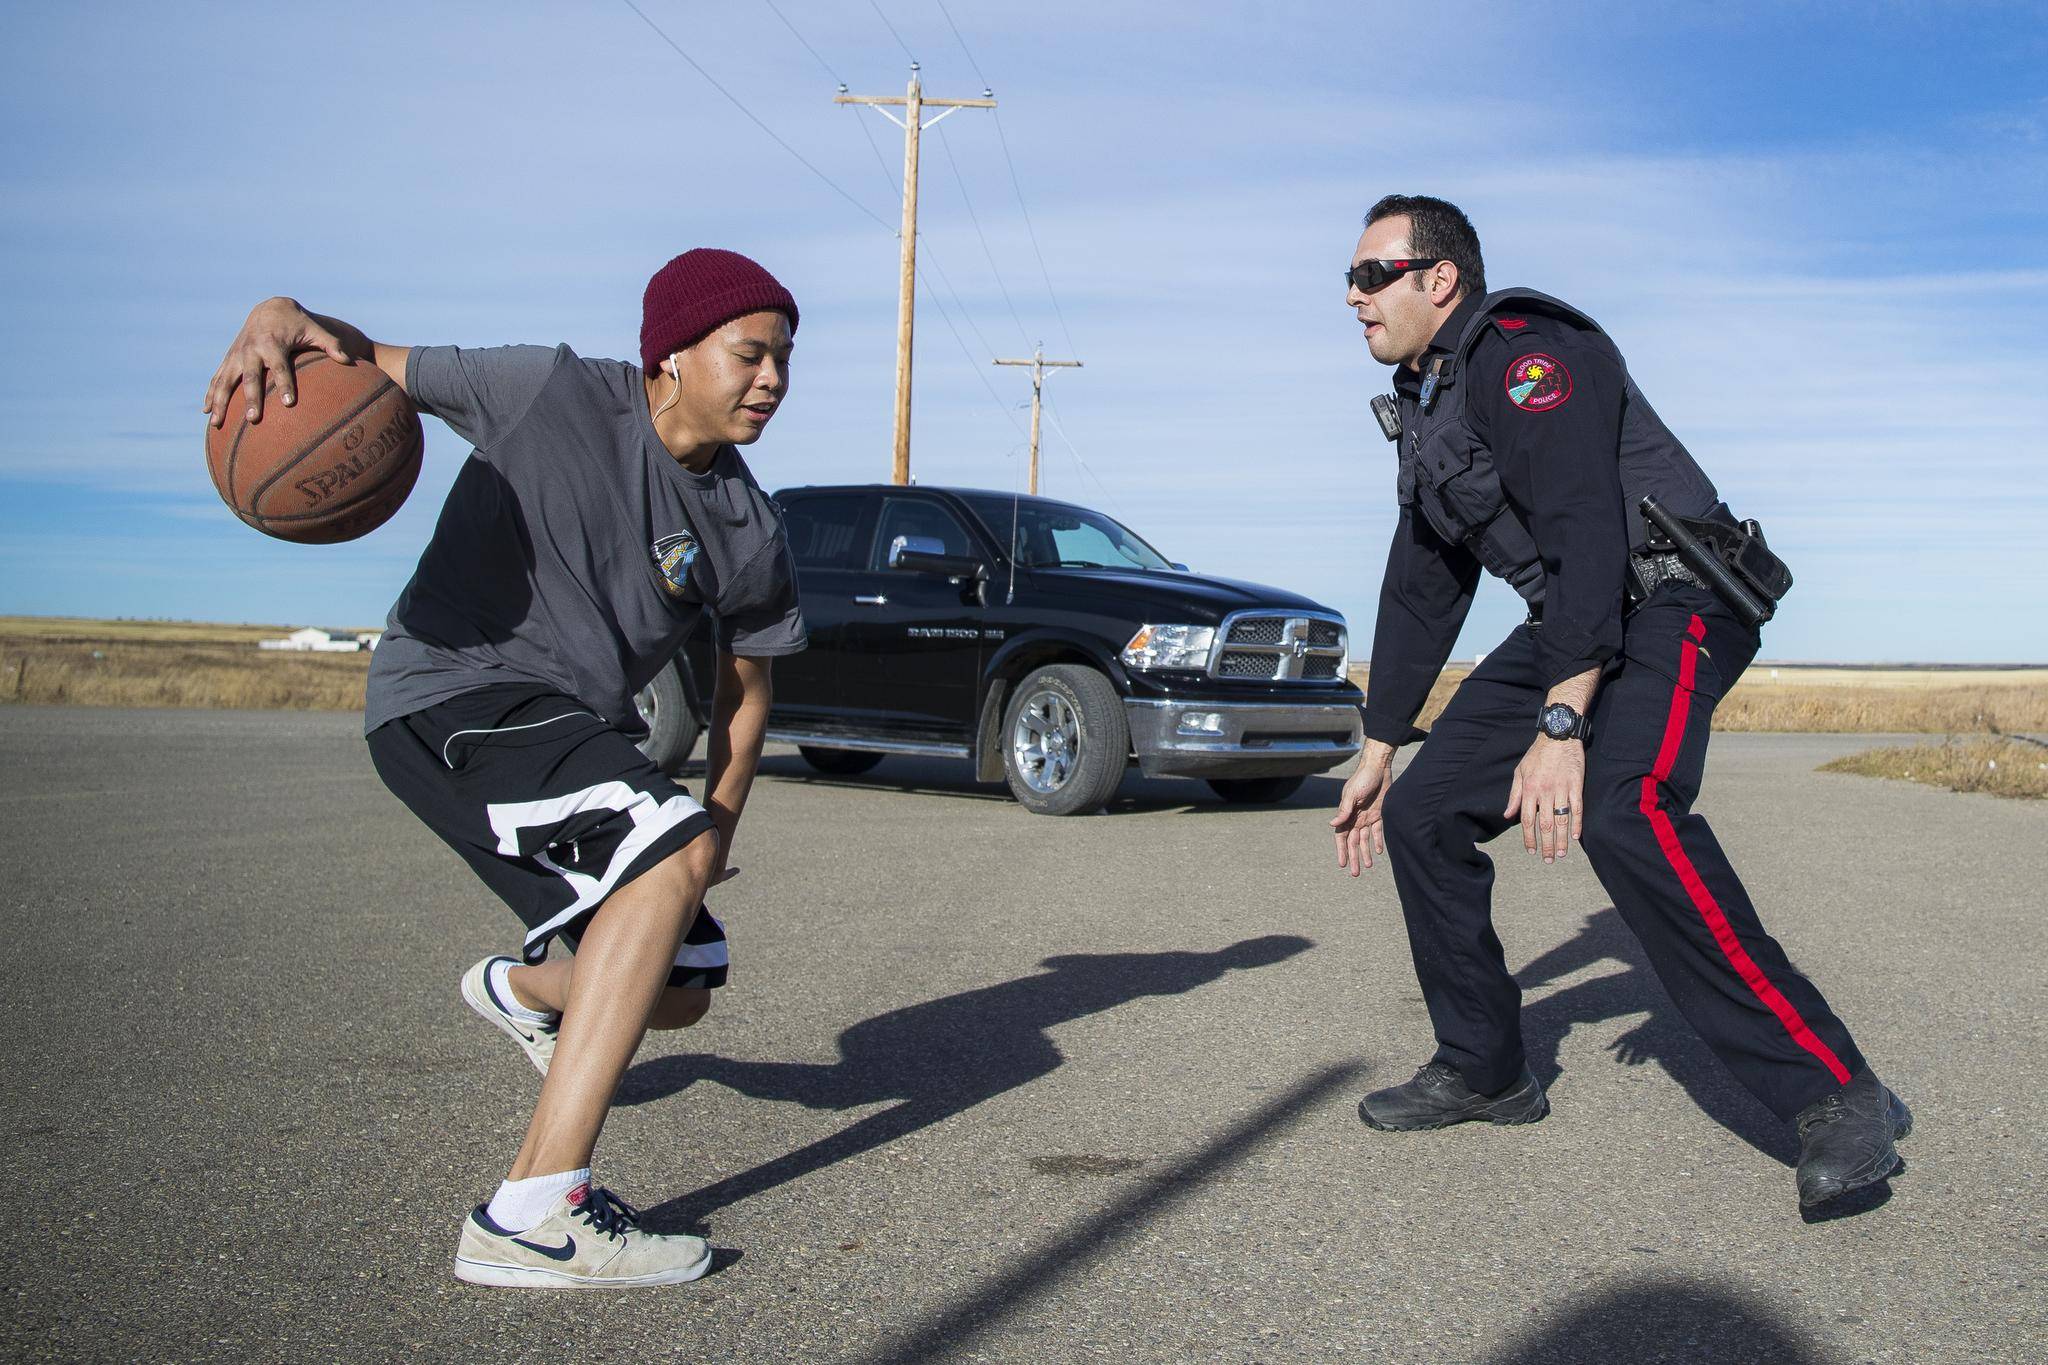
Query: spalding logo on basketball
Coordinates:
[332,467]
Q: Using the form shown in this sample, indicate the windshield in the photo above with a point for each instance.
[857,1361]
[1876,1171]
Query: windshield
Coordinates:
[1052,535]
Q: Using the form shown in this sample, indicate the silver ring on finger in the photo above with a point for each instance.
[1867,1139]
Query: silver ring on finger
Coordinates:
[1561,810]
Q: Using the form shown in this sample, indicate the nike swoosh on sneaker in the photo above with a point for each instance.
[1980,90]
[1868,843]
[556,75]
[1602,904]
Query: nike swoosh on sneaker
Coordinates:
[560,1253]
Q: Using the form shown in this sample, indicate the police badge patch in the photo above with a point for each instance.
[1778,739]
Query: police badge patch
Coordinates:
[673,556]
[1538,383]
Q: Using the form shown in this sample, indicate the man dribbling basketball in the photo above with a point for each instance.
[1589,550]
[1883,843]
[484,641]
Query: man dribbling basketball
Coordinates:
[603,512]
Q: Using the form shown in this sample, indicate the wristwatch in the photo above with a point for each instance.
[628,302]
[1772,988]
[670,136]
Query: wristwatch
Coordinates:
[1559,721]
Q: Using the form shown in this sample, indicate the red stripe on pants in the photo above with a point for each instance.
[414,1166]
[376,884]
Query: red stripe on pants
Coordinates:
[1703,899]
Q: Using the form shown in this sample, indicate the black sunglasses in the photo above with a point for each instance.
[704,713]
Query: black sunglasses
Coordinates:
[1368,276]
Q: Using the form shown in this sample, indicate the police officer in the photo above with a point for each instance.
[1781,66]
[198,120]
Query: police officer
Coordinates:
[1526,450]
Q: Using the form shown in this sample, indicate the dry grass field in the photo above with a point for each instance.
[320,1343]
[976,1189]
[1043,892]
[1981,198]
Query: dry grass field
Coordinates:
[2002,767]
[1889,702]
[55,660]
[1876,701]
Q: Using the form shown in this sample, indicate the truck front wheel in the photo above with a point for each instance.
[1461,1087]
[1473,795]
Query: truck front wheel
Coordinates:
[672,726]
[1065,741]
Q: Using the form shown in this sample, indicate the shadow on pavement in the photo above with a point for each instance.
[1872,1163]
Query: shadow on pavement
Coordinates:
[1189,797]
[1664,1319]
[1040,1275]
[1873,1196]
[936,1058]
[927,776]
[1664,1038]
[942,777]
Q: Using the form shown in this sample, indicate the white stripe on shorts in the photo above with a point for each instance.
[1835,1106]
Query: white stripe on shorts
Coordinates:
[704,956]
[651,820]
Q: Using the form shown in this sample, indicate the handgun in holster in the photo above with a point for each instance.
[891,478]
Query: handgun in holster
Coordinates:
[1732,560]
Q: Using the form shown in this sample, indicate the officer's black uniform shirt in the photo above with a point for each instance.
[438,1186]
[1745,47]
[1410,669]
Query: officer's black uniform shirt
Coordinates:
[1560,468]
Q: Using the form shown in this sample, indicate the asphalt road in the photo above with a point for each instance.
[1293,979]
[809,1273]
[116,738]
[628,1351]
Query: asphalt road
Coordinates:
[985,1086]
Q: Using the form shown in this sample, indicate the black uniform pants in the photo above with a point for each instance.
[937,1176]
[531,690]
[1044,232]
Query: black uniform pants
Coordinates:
[1655,857]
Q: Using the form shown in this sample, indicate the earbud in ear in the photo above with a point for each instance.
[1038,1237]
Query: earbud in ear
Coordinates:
[673,369]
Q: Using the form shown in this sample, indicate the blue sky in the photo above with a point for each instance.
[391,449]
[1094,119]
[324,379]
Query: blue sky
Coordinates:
[1819,231]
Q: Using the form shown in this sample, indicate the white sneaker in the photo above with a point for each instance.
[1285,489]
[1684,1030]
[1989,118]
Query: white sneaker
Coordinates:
[536,1040]
[591,1239]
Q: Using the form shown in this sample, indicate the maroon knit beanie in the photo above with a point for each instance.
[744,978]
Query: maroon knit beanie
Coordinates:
[699,292]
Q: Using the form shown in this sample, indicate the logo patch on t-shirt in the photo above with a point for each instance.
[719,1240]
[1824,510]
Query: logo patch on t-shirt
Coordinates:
[673,555]
[1538,383]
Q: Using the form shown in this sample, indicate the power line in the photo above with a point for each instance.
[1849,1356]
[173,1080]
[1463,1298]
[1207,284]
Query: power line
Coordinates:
[914,102]
[895,183]
[975,218]
[836,77]
[895,186]
[972,64]
[734,100]
[961,341]
[958,301]
[882,166]
[1039,365]
[1052,294]
[1015,182]
[892,31]
[1060,430]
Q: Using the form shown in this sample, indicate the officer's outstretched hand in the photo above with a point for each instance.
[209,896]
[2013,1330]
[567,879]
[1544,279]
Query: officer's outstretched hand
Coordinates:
[1550,784]
[1359,822]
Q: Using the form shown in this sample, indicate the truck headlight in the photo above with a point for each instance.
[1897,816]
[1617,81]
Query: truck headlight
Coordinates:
[1170,647]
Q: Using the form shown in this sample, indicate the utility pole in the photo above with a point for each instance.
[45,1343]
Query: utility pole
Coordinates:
[1039,365]
[912,124]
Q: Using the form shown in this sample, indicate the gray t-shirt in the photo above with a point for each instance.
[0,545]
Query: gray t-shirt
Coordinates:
[573,550]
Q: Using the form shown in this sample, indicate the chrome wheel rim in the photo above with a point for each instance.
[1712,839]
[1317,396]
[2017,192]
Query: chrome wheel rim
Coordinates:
[1045,744]
[648,705]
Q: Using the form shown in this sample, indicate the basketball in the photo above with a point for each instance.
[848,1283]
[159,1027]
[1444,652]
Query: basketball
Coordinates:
[332,467]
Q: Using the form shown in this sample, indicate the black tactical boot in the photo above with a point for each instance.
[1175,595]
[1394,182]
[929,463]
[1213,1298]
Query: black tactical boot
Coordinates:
[1439,1097]
[1845,1139]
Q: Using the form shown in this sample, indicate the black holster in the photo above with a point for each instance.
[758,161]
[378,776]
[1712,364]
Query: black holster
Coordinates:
[1731,558]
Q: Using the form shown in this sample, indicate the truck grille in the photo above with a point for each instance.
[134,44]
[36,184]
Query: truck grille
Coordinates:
[1244,663]
[1258,630]
[1278,647]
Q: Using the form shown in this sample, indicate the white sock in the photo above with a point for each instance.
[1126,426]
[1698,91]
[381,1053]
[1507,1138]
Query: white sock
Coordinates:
[519,1204]
[501,986]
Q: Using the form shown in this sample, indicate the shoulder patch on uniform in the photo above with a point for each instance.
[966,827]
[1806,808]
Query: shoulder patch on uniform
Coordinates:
[1537,382]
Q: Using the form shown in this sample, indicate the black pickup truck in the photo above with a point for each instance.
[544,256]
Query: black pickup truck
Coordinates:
[1043,642]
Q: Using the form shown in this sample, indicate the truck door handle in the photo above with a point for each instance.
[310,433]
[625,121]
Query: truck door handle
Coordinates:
[876,601]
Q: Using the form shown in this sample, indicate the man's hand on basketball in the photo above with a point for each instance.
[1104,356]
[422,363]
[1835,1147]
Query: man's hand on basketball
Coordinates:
[1359,822]
[1548,796]
[276,330]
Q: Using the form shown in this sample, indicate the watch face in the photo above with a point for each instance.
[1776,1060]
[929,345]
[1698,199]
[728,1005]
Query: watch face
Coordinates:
[1558,720]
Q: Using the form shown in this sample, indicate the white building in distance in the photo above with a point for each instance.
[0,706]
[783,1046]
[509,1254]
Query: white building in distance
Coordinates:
[314,639]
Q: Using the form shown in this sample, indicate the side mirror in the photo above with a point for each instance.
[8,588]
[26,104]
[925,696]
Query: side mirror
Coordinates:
[927,554]
[1182,567]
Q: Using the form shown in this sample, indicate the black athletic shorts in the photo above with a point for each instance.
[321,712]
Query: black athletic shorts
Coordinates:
[553,808]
